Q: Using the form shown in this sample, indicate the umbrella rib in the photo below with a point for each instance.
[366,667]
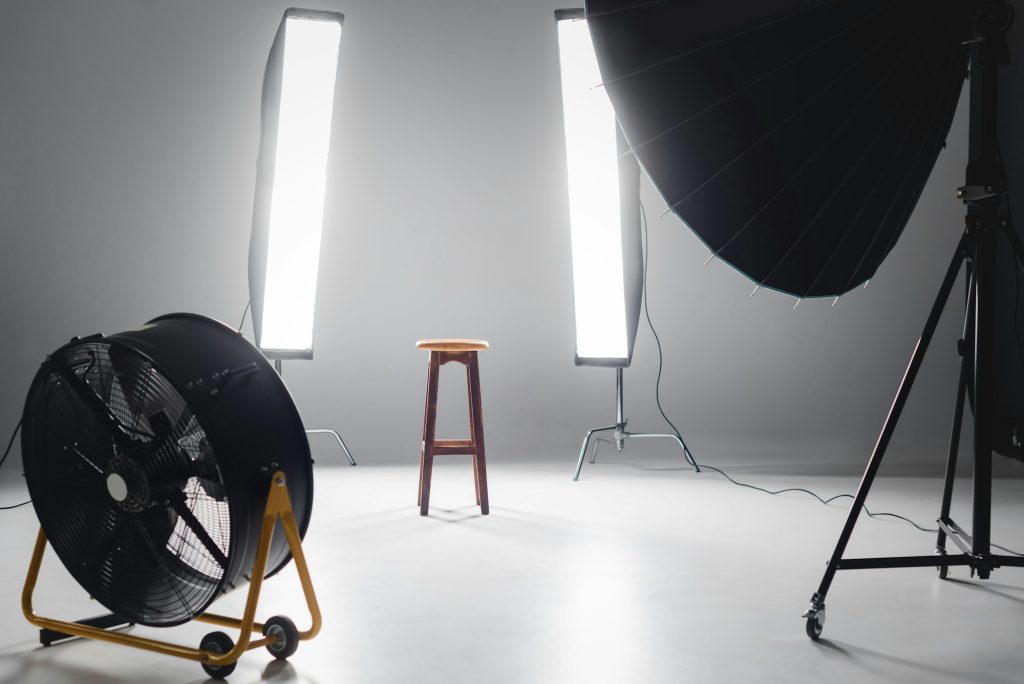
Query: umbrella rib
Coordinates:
[896,196]
[854,166]
[782,123]
[719,41]
[878,179]
[751,84]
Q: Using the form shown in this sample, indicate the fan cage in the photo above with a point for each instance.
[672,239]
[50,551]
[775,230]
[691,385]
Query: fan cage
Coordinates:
[125,484]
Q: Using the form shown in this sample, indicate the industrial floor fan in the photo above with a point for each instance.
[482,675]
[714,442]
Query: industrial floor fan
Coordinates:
[160,461]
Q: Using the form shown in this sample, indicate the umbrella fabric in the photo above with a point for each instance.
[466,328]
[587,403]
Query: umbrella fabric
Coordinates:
[793,136]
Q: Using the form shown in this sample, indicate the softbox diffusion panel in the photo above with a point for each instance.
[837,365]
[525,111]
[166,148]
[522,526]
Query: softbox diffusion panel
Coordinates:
[604,206]
[1008,434]
[793,137]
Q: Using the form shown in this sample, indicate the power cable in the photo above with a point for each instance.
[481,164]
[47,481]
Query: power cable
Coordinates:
[3,459]
[692,460]
[244,313]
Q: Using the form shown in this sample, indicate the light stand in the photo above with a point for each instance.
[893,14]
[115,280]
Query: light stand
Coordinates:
[983,195]
[284,252]
[620,434]
[323,431]
[604,212]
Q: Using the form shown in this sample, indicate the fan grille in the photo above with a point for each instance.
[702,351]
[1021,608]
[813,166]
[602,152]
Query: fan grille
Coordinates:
[125,484]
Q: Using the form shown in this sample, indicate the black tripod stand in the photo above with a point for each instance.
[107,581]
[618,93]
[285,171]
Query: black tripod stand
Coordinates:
[983,194]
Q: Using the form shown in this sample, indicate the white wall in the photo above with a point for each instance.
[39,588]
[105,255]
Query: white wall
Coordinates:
[128,138]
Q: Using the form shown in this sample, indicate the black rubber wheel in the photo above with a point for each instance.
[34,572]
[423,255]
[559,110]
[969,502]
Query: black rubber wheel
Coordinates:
[287,635]
[814,628]
[217,642]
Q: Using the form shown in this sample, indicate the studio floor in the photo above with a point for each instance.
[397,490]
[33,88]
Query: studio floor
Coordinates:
[642,571]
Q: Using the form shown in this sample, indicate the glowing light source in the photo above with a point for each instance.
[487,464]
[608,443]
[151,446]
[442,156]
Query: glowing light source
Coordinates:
[297,112]
[592,143]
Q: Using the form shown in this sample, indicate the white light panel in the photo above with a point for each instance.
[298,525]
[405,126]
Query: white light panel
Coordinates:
[594,213]
[300,166]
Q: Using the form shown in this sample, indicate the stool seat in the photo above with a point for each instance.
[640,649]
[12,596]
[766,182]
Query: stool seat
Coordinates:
[452,345]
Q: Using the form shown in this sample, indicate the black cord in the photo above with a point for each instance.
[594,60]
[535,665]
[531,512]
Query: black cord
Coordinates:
[3,458]
[645,249]
[10,444]
[698,466]
[242,323]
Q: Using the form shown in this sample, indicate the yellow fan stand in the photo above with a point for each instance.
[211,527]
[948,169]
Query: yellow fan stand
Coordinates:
[217,653]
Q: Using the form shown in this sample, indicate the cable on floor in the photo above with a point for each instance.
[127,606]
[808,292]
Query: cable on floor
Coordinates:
[692,460]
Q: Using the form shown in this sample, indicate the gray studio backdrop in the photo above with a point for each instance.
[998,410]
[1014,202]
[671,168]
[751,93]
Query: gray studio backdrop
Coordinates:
[128,141]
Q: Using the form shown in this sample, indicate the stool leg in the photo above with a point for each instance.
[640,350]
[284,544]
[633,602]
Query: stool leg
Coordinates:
[429,417]
[477,423]
[472,431]
[419,486]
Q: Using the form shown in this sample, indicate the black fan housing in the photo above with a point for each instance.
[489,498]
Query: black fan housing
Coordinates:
[148,457]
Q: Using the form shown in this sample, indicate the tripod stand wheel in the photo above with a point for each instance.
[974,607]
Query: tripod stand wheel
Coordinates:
[815,623]
[814,628]
[943,572]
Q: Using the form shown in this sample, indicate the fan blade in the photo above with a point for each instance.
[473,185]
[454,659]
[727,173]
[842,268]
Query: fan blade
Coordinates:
[158,555]
[95,404]
[181,507]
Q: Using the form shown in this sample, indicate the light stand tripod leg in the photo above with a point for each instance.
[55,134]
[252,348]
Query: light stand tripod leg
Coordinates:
[984,332]
[341,442]
[597,443]
[954,447]
[669,435]
[621,434]
[954,436]
[815,615]
[583,449]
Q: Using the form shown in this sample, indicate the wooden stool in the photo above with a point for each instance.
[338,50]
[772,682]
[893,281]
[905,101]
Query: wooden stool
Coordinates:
[442,352]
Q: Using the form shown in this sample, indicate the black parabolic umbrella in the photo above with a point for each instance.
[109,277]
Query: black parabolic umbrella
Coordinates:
[793,136]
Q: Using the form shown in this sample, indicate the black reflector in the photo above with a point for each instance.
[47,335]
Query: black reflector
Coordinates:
[793,137]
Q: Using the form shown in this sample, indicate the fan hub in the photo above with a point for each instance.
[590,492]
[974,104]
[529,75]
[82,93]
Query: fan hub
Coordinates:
[117,487]
[127,484]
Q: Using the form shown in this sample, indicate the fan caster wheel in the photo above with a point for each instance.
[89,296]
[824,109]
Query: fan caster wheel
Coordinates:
[286,634]
[217,642]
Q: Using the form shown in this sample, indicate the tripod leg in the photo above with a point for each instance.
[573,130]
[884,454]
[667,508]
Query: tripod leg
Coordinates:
[815,615]
[954,448]
[984,381]
[958,415]
[583,449]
